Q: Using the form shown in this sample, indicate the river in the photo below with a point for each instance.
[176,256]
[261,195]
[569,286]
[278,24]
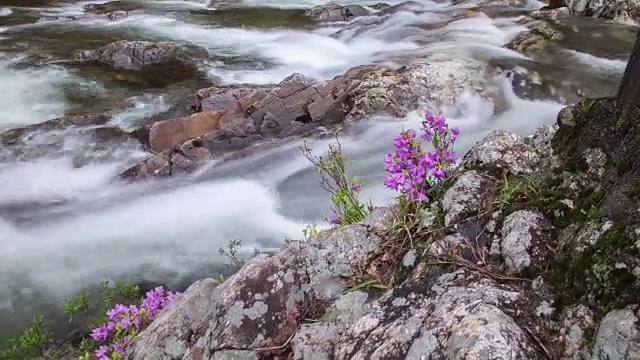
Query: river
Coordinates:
[64,227]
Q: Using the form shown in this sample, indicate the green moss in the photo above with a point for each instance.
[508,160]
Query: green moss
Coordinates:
[563,142]
[622,166]
[586,206]
[578,164]
[635,193]
[591,277]
[589,335]
[624,123]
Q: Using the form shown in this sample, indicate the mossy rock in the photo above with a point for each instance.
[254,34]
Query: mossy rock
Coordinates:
[152,76]
[602,275]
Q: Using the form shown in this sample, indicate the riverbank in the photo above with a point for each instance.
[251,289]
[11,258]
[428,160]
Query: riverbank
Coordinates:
[67,221]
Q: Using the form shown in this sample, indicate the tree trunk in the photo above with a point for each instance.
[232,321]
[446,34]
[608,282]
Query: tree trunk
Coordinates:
[629,92]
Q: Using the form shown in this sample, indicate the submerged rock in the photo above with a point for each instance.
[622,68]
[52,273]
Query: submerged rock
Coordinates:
[93,140]
[334,12]
[538,41]
[111,6]
[133,55]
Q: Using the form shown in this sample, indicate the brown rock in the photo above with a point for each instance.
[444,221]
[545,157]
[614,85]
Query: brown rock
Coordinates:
[11,137]
[554,4]
[165,135]
[157,166]
[117,15]
[186,159]
[536,42]
[190,159]
[221,97]
[403,6]
[379,6]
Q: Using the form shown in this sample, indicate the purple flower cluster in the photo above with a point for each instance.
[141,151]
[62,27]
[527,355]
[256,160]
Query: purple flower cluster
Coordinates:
[334,219]
[125,322]
[412,170]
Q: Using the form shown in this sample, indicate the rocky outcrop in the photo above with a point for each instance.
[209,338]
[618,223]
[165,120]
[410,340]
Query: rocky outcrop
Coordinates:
[132,55]
[625,11]
[235,117]
[266,301]
[531,252]
[112,10]
[299,303]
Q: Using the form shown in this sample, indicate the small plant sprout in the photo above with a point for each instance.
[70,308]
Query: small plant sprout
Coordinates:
[231,253]
[517,189]
[586,105]
[346,206]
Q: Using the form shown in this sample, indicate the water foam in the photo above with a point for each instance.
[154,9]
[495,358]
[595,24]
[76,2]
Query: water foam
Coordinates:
[617,66]
[275,53]
[52,180]
[143,106]
[177,230]
[30,95]
[305,4]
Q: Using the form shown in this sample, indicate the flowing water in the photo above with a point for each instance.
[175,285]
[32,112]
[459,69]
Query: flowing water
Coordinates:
[64,227]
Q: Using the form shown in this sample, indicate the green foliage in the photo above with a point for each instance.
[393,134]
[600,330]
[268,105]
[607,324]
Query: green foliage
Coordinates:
[231,253]
[235,259]
[344,190]
[623,166]
[78,304]
[308,233]
[31,344]
[97,304]
[221,278]
[586,105]
[33,341]
[524,187]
